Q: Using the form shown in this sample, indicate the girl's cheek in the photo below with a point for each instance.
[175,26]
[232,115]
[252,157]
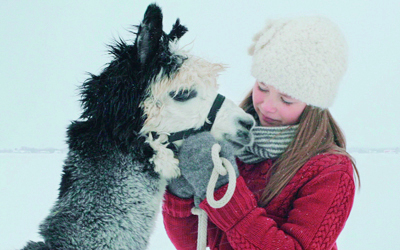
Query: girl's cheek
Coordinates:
[257,95]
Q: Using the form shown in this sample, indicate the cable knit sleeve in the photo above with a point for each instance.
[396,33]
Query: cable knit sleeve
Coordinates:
[316,217]
[180,224]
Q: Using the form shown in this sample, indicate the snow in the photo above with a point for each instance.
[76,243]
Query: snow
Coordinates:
[29,187]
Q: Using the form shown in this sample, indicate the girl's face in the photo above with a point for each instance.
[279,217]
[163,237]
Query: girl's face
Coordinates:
[275,108]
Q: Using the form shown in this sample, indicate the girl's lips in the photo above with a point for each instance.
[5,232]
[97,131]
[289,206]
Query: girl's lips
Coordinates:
[269,120]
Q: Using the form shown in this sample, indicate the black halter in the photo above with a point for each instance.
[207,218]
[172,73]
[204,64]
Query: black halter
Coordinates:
[212,114]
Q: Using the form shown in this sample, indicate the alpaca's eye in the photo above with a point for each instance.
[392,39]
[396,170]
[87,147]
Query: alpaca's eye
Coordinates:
[183,95]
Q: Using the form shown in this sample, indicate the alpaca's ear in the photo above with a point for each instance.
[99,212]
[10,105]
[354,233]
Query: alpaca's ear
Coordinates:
[178,30]
[149,33]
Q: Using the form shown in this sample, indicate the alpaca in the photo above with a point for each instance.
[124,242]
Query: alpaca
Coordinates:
[121,155]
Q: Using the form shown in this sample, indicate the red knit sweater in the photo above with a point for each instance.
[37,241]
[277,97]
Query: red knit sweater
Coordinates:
[309,213]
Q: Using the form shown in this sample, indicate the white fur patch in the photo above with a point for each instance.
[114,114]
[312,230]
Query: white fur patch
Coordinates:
[164,160]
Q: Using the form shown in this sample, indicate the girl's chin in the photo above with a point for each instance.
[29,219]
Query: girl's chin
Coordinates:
[265,124]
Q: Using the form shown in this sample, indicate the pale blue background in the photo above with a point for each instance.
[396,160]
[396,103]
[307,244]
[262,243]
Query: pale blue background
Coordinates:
[47,46]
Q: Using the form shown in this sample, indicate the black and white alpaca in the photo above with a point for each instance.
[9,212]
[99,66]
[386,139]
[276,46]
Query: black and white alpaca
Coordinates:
[116,170]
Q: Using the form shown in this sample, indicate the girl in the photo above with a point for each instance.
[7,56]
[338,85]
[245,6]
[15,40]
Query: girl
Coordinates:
[295,185]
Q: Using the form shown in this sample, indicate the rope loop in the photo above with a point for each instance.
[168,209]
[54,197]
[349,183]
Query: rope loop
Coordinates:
[215,150]
[221,167]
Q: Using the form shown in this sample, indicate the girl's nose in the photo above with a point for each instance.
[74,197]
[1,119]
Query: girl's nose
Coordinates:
[268,105]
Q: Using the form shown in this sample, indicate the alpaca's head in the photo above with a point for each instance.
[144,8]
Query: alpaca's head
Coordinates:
[153,86]
[180,96]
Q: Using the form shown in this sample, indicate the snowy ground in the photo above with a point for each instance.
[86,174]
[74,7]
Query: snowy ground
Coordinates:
[29,183]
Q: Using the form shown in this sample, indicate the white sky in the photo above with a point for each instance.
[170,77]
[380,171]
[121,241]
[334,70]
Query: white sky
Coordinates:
[47,46]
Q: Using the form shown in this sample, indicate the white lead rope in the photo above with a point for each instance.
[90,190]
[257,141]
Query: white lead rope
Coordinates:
[221,167]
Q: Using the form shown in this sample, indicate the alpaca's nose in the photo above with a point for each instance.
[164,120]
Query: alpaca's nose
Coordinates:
[248,123]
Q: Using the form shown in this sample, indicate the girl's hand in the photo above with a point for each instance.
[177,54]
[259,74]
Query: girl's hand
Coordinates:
[196,163]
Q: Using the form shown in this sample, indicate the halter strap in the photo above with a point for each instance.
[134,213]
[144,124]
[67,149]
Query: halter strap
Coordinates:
[212,114]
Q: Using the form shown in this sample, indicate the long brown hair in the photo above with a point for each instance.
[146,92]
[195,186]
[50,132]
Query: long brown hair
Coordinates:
[318,133]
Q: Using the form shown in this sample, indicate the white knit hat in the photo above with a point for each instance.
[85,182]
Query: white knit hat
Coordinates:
[305,58]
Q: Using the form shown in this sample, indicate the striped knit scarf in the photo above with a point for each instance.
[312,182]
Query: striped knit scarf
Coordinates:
[269,143]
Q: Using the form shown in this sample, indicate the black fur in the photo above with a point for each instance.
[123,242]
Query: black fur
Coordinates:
[107,177]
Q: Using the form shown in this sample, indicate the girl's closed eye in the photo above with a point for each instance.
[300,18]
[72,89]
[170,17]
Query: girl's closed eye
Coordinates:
[286,101]
[262,87]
